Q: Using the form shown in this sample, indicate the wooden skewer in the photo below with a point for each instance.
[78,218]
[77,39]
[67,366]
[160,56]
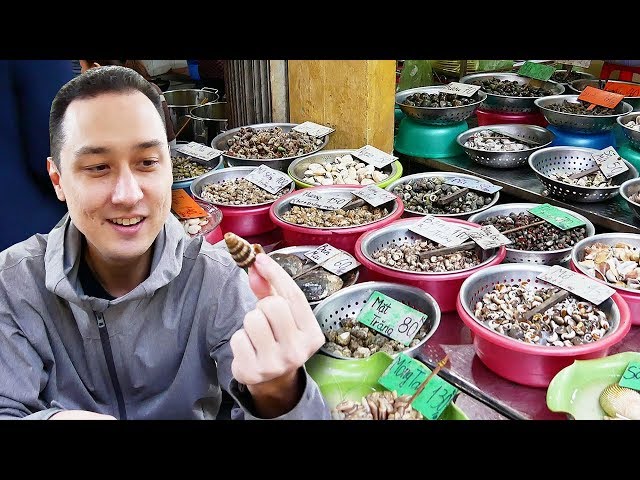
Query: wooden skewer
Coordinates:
[548,303]
[584,173]
[435,371]
[189,119]
[452,196]
[514,137]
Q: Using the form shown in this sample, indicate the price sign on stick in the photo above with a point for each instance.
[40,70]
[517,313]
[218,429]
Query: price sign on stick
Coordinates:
[322,253]
[269,179]
[340,263]
[462,89]
[595,96]
[374,195]
[631,376]
[313,129]
[556,217]
[537,71]
[324,201]
[198,150]
[626,89]
[439,231]
[473,184]
[185,206]
[391,318]
[374,156]
[580,285]
[405,375]
[609,162]
[488,237]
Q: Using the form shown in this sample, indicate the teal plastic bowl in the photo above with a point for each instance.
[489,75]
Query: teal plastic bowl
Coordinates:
[429,141]
[630,154]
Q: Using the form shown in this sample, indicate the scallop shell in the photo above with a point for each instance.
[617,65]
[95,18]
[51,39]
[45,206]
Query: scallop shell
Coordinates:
[242,251]
[620,402]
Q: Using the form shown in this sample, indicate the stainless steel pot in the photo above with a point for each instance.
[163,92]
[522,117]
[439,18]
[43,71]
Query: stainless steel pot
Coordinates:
[207,121]
[180,102]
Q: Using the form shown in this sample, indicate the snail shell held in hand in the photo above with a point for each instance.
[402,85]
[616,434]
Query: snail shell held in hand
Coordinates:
[242,251]
[620,402]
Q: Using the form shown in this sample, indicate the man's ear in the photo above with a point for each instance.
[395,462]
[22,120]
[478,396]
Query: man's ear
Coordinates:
[54,175]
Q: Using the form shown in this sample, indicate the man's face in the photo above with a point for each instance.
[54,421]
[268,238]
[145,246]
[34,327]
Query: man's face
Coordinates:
[115,173]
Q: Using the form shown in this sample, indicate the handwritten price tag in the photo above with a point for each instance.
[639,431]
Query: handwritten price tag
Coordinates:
[578,284]
[610,162]
[198,150]
[341,263]
[391,318]
[324,201]
[463,89]
[269,179]
[439,231]
[374,156]
[626,89]
[488,237]
[600,97]
[631,376]
[473,184]
[556,217]
[185,206]
[537,71]
[313,129]
[322,253]
[374,195]
[575,63]
[405,374]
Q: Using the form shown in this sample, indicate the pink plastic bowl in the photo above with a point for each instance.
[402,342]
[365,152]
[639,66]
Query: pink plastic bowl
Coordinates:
[523,363]
[577,254]
[486,117]
[442,286]
[339,237]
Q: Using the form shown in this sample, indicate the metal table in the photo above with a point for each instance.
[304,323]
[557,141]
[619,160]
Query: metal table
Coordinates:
[522,183]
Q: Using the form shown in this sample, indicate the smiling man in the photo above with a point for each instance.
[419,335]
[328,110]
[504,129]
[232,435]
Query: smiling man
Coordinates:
[116,313]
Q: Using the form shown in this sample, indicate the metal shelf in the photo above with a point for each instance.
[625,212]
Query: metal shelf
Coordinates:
[521,182]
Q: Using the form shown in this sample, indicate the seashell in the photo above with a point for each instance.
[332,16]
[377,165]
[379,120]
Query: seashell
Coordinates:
[242,251]
[620,402]
[292,264]
[319,284]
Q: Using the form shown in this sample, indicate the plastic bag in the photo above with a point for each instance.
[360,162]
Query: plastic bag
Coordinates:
[415,73]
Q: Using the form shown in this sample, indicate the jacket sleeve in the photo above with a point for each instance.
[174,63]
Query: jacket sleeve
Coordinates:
[236,299]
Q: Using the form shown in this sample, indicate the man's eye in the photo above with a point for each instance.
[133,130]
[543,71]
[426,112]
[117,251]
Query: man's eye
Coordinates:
[97,168]
[149,163]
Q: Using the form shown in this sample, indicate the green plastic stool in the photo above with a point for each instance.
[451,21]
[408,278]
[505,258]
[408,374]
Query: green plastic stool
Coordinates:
[630,154]
[429,141]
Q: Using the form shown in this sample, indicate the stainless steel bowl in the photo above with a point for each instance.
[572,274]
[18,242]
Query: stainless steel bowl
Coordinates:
[285,205]
[628,189]
[437,115]
[504,159]
[220,143]
[577,254]
[579,123]
[503,103]
[396,235]
[349,278]
[578,85]
[572,160]
[419,176]
[632,135]
[550,257]
[219,176]
[349,301]
[299,165]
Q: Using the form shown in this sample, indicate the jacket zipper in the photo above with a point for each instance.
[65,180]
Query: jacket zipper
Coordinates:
[111,366]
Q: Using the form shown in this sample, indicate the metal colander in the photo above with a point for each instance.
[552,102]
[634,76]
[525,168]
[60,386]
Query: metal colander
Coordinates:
[551,257]
[503,103]
[627,190]
[437,115]
[578,86]
[349,301]
[420,176]
[569,160]
[483,281]
[632,135]
[579,123]
[506,159]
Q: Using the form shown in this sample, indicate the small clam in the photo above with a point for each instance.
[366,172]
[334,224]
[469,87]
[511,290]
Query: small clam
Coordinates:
[319,284]
[620,402]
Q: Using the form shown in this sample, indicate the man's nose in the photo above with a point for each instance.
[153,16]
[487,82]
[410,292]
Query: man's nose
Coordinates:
[127,190]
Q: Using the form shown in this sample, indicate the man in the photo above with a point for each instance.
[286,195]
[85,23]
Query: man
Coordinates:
[116,313]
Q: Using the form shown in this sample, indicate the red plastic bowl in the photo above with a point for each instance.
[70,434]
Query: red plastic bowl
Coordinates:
[486,117]
[523,363]
[341,237]
[442,286]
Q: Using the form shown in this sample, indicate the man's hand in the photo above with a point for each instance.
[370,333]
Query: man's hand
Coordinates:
[80,415]
[278,337]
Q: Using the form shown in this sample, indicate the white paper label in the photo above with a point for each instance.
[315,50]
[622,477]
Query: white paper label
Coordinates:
[577,63]
[473,184]
[488,237]
[313,129]
[374,195]
[269,179]
[374,156]
[578,284]
[340,264]
[198,150]
[610,162]
[464,89]
[324,201]
[322,253]
[439,231]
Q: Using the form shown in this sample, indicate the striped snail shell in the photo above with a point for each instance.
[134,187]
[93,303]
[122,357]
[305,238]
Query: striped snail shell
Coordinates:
[242,251]
[620,402]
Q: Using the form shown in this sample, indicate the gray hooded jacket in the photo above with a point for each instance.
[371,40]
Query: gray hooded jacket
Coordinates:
[159,352]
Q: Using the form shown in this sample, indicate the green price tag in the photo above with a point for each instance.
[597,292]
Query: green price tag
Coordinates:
[631,376]
[406,374]
[556,217]
[537,71]
[391,318]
